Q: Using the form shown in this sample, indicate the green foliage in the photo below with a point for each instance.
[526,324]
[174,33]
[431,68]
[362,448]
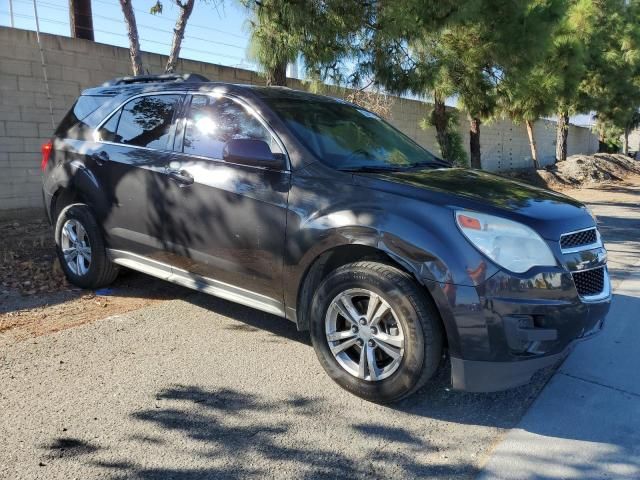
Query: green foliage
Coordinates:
[323,32]
[156,8]
[610,135]
[523,58]
[532,89]
[274,39]
[452,142]
[613,79]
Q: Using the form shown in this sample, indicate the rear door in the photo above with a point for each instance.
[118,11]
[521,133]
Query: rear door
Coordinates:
[134,147]
[229,225]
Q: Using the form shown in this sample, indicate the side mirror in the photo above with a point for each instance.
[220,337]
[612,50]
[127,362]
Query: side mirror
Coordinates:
[247,151]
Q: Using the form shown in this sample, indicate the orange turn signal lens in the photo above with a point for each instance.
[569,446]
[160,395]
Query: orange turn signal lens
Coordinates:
[469,222]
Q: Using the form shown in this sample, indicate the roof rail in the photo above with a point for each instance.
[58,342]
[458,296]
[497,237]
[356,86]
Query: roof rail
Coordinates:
[167,77]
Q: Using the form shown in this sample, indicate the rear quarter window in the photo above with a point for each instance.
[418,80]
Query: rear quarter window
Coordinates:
[74,125]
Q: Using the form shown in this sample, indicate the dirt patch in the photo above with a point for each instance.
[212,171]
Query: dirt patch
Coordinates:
[580,171]
[35,297]
[27,259]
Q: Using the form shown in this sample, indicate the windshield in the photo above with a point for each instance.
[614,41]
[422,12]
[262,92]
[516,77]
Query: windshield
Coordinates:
[346,137]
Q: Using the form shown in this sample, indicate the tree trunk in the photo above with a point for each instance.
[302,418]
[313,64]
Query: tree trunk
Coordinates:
[81,19]
[562,132]
[532,144]
[602,145]
[474,143]
[134,41]
[178,34]
[277,76]
[439,120]
[625,142]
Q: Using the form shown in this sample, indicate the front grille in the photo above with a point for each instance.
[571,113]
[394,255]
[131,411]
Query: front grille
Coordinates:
[589,282]
[578,239]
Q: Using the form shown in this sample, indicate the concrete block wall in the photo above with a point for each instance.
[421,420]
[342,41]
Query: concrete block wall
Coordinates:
[72,65]
[75,64]
[634,140]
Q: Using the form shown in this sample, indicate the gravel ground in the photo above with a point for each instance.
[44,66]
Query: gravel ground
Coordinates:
[196,387]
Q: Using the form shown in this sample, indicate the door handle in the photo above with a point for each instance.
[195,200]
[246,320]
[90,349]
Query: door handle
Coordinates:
[183,177]
[100,158]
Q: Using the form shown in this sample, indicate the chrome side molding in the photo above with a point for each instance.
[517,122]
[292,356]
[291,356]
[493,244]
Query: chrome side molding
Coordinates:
[196,282]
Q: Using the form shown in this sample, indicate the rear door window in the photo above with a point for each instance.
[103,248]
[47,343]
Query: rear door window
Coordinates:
[211,122]
[143,122]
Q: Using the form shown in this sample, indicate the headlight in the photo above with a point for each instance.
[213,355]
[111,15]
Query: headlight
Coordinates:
[509,244]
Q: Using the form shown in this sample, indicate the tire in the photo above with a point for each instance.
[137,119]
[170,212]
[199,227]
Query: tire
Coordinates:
[407,318]
[94,271]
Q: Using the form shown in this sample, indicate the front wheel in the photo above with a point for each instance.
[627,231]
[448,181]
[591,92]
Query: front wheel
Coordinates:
[374,332]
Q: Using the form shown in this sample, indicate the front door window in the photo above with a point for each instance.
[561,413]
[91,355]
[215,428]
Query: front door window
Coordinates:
[212,122]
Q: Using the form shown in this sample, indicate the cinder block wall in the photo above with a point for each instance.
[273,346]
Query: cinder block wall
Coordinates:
[74,64]
[634,140]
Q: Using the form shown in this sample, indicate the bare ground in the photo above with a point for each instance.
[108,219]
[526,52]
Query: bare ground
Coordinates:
[580,171]
[35,297]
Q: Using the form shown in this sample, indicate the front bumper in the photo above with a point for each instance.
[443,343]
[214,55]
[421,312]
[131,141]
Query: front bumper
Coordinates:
[480,376]
[502,332]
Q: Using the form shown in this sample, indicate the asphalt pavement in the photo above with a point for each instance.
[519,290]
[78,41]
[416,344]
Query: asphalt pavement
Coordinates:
[202,388]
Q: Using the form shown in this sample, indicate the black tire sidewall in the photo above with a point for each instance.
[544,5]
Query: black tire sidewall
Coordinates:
[402,381]
[83,215]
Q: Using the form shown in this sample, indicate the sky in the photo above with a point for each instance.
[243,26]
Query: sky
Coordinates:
[214,34]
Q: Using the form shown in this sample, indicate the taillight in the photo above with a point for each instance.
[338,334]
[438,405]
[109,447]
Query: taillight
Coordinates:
[46,153]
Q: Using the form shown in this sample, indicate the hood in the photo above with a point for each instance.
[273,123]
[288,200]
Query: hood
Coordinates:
[547,212]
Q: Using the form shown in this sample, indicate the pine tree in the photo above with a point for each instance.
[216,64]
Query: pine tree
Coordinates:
[437,49]
[612,82]
[567,61]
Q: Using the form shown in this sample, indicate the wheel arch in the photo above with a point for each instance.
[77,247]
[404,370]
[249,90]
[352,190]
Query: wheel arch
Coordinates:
[340,255]
[73,182]
[63,197]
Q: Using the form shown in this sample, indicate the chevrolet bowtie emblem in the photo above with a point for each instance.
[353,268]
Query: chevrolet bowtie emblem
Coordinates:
[599,258]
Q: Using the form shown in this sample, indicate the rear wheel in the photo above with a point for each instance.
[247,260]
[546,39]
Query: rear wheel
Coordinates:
[80,248]
[374,331]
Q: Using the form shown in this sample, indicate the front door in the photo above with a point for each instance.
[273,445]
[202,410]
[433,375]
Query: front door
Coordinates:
[232,217]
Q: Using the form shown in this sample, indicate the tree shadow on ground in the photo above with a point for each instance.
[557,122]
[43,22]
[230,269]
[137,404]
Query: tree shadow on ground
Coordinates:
[237,434]
[67,447]
[251,320]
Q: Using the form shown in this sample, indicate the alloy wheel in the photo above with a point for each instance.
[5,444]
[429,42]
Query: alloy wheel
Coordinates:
[76,247]
[364,334]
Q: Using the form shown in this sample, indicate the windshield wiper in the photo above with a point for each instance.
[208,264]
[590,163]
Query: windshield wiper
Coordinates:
[370,169]
[436,162]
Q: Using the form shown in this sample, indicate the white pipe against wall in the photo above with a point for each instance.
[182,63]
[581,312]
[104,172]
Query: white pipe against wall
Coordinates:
[44,65]
[11,13]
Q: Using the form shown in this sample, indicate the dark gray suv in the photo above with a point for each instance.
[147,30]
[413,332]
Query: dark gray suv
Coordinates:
[316,210]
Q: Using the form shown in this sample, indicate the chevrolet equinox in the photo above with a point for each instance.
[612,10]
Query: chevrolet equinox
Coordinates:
[318,211]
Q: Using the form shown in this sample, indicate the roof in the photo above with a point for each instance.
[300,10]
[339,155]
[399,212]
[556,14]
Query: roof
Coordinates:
[127,86]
